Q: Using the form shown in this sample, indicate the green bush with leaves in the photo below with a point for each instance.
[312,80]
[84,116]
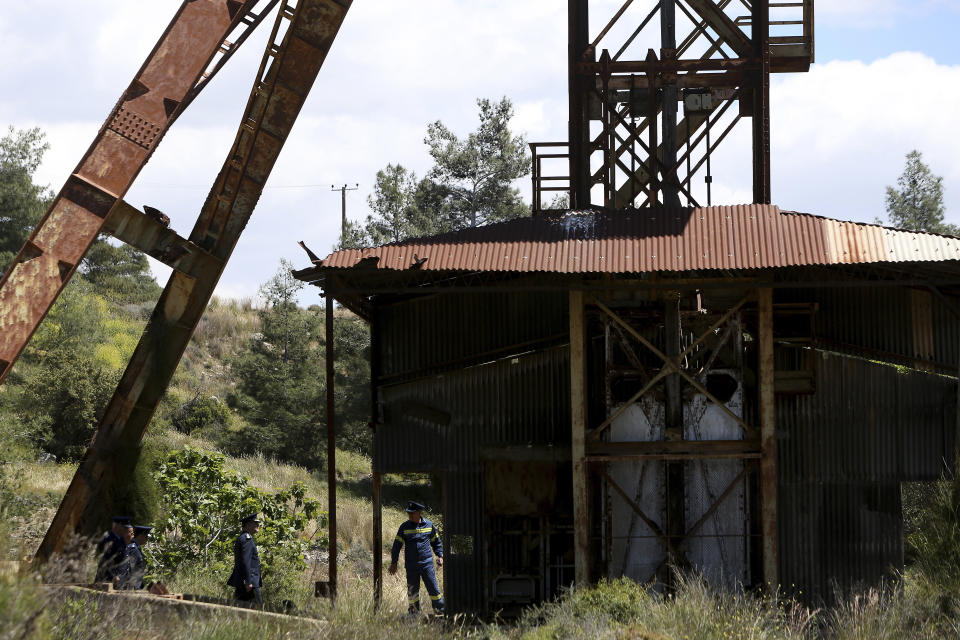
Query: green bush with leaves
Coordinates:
[202,504]
[200,414]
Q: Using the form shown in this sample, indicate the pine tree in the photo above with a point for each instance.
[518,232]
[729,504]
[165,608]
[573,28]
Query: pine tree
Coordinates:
[917,202]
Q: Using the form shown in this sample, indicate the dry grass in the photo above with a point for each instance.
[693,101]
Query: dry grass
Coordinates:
[225,326]
[46,479]
[270,475]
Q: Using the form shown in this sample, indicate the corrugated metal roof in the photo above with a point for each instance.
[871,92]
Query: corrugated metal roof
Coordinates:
[730,237]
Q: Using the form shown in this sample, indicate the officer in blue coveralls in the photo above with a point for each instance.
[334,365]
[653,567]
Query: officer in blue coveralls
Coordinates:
[418,535]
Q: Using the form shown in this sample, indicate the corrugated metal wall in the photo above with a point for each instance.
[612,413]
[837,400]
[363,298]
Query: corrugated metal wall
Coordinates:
[841,455]
[438,333]
[517,401]
[898,321]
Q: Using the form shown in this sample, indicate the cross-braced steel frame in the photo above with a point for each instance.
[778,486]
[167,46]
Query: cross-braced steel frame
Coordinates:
[593,451]
[647,110]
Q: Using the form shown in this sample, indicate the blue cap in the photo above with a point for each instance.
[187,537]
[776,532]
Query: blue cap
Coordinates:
[122,519]
[248,518]
[141,529]
[414,506]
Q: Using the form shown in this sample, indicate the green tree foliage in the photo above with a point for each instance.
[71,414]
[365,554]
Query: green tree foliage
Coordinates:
[917,202]
[67,386]
[352,383]
[470,183]
[278,376]
[202,413]
[477,172]
[119,273]
[395,212]
[22,202]
[202,504]
[280,385]
[72,392]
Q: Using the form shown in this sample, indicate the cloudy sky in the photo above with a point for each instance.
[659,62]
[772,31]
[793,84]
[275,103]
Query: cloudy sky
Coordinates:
[887,80]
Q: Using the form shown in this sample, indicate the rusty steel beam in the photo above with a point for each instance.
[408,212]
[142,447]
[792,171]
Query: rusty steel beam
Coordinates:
[152,236]
[673,450]
[123,145]
[768,441]
[288,69]
[578,425]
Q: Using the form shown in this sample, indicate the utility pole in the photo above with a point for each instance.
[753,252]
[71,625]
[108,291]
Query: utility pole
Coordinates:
[343,211]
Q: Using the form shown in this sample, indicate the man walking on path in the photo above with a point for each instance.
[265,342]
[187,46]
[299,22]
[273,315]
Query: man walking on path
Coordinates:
[422,541]
[245,578]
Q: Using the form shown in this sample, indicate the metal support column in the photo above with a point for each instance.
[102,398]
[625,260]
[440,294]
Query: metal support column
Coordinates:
[331,451]
[668,52]
[578,427]
[673,421]
[579,87]
[768,443]
[761,104]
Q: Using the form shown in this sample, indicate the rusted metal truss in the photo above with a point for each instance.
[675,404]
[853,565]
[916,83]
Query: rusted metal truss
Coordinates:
[302,35]
[651,368]
[628,140]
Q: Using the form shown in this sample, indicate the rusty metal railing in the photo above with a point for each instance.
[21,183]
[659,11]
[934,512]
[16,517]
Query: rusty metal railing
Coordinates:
[547,183]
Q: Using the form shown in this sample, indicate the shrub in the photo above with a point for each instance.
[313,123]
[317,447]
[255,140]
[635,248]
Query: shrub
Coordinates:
[201,413]
[203,504]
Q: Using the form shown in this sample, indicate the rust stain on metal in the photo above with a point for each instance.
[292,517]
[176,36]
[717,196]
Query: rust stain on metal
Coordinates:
[728,237]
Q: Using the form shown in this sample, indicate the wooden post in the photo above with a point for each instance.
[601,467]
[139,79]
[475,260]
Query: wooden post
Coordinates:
[377,541]
[768,442]
[331,453]
[578,428]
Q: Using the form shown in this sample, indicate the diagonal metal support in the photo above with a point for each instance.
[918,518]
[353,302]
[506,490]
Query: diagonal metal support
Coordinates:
[723,25]
[747,468]
[671,365]
[657,531]
[301,37]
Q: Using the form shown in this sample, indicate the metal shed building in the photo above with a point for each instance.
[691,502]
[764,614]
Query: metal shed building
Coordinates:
[607,393]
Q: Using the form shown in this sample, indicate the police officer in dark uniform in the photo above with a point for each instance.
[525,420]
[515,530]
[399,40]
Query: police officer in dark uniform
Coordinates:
[111,549]
[134,564]
[422,541]
[245,578]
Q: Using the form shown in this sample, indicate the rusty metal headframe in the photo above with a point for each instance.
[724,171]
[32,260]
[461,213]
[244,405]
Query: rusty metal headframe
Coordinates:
[626,137]
[302,35]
